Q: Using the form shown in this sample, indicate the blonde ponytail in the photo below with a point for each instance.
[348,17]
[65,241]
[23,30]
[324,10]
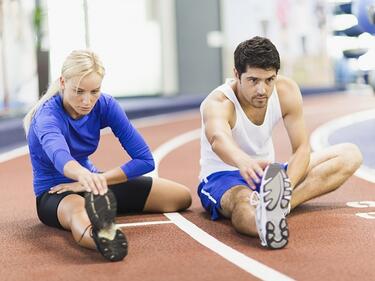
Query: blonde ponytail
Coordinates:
[53,90]
[78,64]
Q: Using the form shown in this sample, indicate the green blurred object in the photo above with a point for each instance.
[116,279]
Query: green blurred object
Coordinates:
[37,22]
[42,56]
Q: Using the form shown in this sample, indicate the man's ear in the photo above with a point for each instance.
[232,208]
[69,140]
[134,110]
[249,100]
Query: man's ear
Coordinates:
[235,73]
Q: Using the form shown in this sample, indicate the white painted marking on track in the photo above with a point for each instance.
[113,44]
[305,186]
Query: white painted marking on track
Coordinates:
[361,204]
[170,145]
[134,224]
[319,137]
[369,215]
[20,151]
[246,263]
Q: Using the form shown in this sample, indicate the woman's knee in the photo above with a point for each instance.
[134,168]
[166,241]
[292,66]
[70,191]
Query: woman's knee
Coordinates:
[168,196]
[182,199]
[71,207]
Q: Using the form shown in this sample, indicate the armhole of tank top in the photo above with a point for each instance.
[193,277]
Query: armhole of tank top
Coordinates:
[277,106]
[226,93]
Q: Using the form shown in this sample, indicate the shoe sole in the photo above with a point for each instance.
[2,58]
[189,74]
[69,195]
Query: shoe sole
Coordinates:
[275,195]
[101,209]
[115,249]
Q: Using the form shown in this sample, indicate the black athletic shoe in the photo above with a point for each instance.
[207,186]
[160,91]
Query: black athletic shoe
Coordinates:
[110,240]
[113,249]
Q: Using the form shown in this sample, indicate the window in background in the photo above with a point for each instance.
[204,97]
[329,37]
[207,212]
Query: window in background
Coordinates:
[123,33]
[18,83]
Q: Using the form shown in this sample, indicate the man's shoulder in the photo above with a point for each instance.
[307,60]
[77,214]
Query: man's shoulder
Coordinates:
[289,95]
[218,99]
[286,85]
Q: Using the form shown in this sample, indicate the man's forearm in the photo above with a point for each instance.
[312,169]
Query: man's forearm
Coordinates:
[298,164]
[228,151]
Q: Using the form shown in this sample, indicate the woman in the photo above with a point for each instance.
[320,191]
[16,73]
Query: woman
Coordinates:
[63,130]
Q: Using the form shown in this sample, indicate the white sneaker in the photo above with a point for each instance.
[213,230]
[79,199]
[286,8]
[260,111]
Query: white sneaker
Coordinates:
[274,204]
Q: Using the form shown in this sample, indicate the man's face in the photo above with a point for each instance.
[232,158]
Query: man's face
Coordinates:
[80,97]
[255,86]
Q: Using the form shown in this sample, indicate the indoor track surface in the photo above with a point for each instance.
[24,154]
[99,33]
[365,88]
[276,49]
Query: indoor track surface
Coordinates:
[331,237]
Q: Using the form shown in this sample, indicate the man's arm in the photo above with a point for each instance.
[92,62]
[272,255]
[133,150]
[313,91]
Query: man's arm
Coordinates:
[291,106]
[218,115]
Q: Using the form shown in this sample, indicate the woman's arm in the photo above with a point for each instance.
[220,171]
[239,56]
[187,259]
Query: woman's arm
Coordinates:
[115,176]
[142,161]
[94,182]
[48,130]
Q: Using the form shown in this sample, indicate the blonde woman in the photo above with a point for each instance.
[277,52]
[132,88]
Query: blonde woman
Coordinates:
[63,130]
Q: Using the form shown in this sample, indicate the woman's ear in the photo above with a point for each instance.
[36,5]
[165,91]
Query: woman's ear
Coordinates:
[62,83]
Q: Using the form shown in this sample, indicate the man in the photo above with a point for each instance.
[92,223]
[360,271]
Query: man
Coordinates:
[237,153]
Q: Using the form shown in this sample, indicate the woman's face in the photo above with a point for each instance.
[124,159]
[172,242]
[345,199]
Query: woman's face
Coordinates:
[80,97]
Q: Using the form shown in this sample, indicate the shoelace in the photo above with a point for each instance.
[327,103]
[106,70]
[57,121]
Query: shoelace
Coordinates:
[254,198]
[84,232]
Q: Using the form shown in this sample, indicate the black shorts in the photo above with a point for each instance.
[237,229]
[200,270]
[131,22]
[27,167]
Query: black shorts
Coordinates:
[131,197]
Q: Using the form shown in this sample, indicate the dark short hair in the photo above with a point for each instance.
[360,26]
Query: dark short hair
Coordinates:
[256,52]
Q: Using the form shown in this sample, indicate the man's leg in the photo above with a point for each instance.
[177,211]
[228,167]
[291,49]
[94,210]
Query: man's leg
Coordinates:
[235,205]
[328,170]
[267,220]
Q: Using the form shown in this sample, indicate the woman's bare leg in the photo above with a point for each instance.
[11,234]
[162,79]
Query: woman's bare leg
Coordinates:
[167,196]
[72,215]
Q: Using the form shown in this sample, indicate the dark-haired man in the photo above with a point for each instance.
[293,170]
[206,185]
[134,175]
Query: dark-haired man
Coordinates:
[239,177]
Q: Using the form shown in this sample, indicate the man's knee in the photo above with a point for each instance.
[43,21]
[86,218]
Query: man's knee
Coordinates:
[232,197]
[351,158]
[241,196]
[243,217]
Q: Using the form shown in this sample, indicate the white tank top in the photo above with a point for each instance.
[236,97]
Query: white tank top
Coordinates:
[255,140]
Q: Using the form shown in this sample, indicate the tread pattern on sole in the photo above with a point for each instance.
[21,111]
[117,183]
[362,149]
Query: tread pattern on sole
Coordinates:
[276,193]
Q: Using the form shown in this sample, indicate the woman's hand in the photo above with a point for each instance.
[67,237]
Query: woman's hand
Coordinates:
[73,186]
[90,182]
[93,182]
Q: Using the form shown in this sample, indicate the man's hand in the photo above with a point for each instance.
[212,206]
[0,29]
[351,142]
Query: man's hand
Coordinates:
[252,171]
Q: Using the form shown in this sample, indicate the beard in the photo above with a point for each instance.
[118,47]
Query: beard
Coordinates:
[259,101]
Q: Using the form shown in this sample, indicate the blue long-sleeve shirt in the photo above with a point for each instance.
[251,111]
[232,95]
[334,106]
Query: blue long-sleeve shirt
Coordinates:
[55,138]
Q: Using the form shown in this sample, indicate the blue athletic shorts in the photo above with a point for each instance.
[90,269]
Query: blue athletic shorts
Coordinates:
[212,188]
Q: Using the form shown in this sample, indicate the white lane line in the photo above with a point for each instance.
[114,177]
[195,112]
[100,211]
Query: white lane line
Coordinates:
[250,265]
[171,145]
[319,137]
[246,263]
[134,224]
[17,152]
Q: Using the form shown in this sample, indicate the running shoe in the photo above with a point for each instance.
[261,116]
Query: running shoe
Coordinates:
[272,207]
[109,239]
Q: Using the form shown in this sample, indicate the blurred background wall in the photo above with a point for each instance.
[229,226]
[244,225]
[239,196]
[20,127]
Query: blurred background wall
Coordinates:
[178,47]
